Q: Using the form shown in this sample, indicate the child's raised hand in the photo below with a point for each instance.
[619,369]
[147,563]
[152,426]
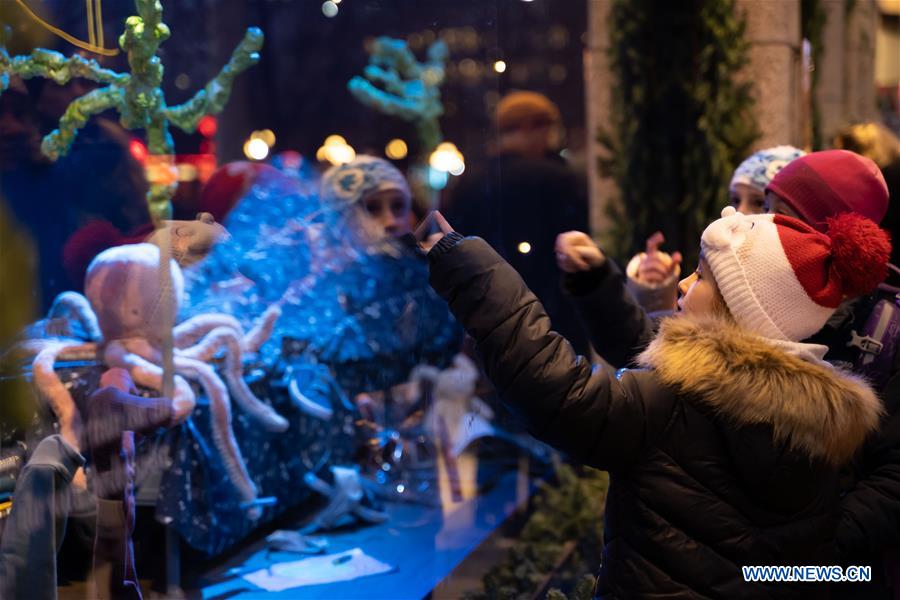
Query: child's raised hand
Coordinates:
[425,234]
[576,251]
[656,267]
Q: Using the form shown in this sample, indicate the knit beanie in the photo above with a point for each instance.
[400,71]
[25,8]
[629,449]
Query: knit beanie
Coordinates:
[759,168]
[519,110]
[781,279]
[825,184]
[345,185]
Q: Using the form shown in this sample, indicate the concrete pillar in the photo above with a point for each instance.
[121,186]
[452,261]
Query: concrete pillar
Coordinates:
[830,93]
[599,84]
[773,31]
[861,23]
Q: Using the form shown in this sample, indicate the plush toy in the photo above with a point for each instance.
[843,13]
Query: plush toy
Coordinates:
[122,287]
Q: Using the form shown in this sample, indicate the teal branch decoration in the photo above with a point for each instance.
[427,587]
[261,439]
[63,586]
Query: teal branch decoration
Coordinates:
[396,84]
[137,96]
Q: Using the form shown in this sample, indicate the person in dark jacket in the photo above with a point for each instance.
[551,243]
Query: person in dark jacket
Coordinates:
[724,447]
[522,197]
[819,186]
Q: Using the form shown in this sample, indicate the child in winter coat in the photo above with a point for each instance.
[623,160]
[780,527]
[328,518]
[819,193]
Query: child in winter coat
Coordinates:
[724,447]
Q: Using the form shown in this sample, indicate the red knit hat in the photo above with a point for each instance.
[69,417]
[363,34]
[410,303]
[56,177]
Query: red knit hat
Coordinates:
[229,184]
[824,184]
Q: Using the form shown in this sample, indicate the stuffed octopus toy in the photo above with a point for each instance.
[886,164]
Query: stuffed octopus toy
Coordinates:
[123,299]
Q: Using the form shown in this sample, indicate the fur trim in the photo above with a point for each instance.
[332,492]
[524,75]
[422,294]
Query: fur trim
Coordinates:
[821,411]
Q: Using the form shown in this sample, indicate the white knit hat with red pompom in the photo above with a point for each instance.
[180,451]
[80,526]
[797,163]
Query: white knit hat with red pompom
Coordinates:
[781,279]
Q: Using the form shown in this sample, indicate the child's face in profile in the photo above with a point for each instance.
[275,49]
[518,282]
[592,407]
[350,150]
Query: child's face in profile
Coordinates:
[747,199]
[390,211]
[777,206]
[699,294]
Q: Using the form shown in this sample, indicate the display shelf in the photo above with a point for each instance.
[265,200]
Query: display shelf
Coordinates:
[426,545]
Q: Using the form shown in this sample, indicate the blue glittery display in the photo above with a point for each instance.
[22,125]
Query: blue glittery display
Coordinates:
[352,321]
[371,316]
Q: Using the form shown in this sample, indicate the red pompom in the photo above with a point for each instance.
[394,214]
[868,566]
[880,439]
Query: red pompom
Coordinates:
[860,253]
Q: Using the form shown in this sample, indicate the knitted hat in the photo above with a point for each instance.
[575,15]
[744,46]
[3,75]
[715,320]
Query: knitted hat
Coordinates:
[782,279]
[347,184]
[825,184]
[525,109]
[759,168]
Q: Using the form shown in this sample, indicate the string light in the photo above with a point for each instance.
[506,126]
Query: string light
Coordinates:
[447,158]
[500,66]
[336,151]
[256,149]
[396,149]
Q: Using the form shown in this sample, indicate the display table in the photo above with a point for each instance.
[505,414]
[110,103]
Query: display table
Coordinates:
[423,544]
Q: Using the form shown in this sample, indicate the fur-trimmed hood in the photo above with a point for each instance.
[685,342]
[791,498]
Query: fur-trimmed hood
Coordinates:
[822,411]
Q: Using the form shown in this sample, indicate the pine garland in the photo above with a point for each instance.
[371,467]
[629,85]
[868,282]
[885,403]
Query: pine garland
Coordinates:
[570,509]
[681,123]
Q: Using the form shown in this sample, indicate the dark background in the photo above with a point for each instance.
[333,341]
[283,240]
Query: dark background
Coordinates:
[299,88]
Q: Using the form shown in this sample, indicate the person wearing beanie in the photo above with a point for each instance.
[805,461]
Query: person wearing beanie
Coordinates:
[724,446]
[523,196]
[822,184]
[373,193]
[653,274]
[748,184]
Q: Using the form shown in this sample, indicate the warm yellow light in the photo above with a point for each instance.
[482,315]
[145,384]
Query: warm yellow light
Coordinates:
[339,155]
[524,247]
[266,135]
[256,149]
[500,66]
[447,158]
[336,151]
[396,149]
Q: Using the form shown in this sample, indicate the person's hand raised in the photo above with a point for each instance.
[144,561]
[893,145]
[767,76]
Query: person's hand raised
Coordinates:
[576,251]
[425,234]
[656,266]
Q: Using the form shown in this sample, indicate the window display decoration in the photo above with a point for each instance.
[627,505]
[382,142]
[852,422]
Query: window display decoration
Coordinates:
[137,96]
[124,295]
[409,89]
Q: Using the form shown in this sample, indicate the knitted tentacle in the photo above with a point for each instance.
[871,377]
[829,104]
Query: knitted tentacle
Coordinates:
[223,436]
[192,330]
[227,338]
[262,329]
[56,394]
[137,361]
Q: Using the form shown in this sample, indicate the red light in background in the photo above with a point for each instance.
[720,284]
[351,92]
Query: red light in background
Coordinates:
[207,147]
[138,150]
[207,126]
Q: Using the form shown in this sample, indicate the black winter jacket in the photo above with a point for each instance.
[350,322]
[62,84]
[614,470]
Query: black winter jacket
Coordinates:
[722,450]
[869,524]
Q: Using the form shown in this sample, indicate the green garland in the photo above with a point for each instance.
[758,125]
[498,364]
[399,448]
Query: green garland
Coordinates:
[680,123]
[568,510]
[137,95]
[812,25]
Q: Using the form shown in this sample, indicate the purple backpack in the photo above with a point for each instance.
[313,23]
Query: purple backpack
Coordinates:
[878,342]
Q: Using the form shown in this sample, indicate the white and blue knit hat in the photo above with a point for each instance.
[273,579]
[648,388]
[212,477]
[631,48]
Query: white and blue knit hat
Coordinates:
[759,168]
[345,185]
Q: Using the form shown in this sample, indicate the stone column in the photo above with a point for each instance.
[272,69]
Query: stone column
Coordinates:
[830,69]
[773,31]
[846,69]
[860,24]
[598,90]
